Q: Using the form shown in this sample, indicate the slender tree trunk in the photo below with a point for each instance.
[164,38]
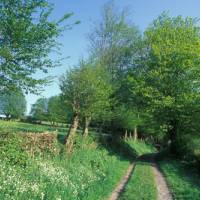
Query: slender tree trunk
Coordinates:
[130,135]
[126,135]
[173,136]
[72,133]
[86,126]
[135,133]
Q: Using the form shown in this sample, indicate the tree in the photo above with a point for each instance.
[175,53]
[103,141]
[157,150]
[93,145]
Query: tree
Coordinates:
[39,110]
[115,44]
[57,110]
[113,41]
[13,104]
[86,90]
[168,82]
[128,120]
[96,101]
[27,37]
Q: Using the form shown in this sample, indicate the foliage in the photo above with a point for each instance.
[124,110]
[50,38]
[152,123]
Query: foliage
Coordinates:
[11,151]
[167,83]
[39,110]
[86,89]
[57,110]
[51,109]
[113,40]
[114,43]
[77,177]
[125,118]
[27,38]
[13,104]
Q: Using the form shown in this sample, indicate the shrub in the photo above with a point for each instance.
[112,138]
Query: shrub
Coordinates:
[11,150]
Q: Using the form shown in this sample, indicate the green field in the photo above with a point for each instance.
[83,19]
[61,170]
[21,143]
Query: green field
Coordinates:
[15,127]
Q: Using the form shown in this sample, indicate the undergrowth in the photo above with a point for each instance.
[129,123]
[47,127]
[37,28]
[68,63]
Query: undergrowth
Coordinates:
[34,167]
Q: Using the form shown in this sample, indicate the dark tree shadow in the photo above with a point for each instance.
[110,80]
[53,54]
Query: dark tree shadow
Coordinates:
[118,147]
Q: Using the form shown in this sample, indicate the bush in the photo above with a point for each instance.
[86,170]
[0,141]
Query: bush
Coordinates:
[11,149]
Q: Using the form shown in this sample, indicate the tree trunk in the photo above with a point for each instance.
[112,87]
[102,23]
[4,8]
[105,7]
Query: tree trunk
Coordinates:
[173,136]
[130,135]
[125,137]
[135,133]
[72,133]
[86,126]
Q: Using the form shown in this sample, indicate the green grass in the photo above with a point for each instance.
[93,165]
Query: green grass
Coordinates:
[140,147]
[91,172]
[184,181]
[141,184]
[15,127]
[87,175]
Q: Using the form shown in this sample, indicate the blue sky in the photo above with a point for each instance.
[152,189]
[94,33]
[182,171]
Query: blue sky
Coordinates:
[74,41]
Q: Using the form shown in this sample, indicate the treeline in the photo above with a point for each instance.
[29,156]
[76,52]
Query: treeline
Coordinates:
[12,104]
[146,84]
[52,110]
[137,83]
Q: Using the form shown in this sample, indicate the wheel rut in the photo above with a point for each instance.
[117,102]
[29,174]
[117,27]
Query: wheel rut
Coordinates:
[122,184]
[163,192]
[162,188]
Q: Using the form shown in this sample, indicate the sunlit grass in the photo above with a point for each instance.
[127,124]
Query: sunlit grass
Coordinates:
[14,126]
[141,184]
[140,147]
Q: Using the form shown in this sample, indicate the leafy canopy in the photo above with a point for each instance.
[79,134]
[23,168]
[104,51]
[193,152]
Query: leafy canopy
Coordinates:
[27,37]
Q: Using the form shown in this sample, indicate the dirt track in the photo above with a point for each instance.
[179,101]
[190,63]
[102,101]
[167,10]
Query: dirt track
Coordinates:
[163,192]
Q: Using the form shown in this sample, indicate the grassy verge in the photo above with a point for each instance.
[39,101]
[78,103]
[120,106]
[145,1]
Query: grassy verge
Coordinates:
[141,184]
[91,172]
[184,181]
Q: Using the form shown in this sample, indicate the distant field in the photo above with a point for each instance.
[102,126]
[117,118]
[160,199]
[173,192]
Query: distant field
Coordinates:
[14,127]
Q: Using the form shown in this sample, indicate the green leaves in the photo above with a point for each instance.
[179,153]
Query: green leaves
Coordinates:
[87,90]
[166,84]
[27,38]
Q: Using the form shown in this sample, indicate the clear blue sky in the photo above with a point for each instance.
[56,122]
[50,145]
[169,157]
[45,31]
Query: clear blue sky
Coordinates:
[88,11]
